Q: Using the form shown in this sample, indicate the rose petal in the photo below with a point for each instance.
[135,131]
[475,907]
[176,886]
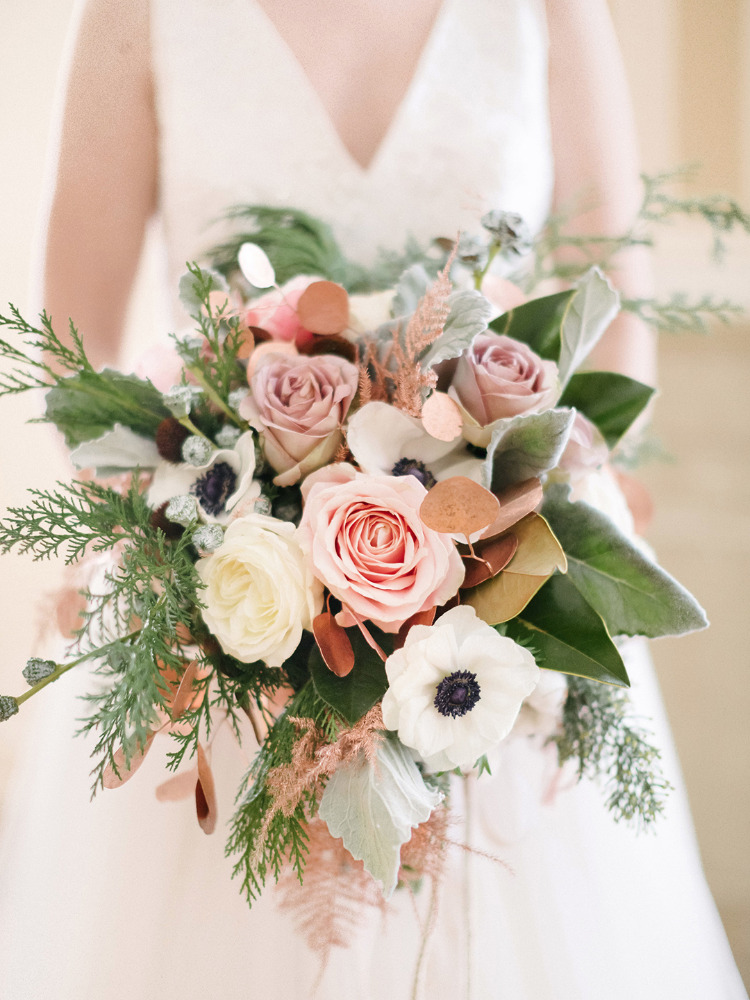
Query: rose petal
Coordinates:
[265,351]
[334,644]
[458,506]
[441,417]
[324,308]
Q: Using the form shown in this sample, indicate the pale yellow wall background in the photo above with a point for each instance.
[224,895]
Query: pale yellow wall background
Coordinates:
[690,75]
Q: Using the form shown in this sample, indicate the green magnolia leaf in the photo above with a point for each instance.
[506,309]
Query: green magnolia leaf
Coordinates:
[374,807]
[412,286]
[86,405]
[537,556]
[633,595]
[566,634]
[610,401]
[204,279]
[469,314]
[537,323]
[591,310]
[354,695]
[525,447]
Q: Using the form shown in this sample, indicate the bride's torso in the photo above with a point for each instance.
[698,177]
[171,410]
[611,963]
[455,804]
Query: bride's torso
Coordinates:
[251,111]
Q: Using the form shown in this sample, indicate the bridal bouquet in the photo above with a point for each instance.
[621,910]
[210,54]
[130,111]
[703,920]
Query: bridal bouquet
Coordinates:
[376,532]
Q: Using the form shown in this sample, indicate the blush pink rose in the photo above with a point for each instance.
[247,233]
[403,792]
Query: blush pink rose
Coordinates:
[276,312]
[498,377]
[368,545]
[299,404]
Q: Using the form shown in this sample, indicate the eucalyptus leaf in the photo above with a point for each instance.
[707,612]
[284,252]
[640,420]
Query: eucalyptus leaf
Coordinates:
[568,635]
[374,807]
[632,594]
[469,315]
[206,279]
[537,556]
[591,310]
[537,323]
[610,401]
[525,447]
[412,286]
[87,405]
[354,695]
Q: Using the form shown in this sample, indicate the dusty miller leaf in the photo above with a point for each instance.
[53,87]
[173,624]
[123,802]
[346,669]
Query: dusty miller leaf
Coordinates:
[412,286]
[374,808]
[590,312]
[525,447]
[469,314]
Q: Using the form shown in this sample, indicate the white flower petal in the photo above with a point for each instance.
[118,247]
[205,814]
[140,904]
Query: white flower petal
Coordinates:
[255,265]
[117,450]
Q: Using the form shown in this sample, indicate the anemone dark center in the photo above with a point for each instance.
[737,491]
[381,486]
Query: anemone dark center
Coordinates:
[457,694]
[413,467]
[214,487]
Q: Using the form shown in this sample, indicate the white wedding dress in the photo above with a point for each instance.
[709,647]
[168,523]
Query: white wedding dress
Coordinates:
[127,897]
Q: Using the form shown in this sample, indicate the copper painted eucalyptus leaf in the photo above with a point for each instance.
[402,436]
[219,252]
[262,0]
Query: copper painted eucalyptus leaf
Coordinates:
[538,555]
[632,594]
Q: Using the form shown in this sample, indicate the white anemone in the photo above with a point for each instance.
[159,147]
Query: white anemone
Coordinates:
[455,689]
[381,438]
[219,485]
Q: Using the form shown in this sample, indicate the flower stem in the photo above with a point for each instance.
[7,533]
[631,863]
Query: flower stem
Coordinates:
[216,398]
[63,668]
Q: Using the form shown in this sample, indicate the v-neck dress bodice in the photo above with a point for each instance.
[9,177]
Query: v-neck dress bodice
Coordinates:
[240,122]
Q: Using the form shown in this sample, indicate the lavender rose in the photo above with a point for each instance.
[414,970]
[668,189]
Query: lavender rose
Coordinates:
[299,404]
[499,377]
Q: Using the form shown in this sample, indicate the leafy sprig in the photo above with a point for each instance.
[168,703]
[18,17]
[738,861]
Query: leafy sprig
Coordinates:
[606,744]
[263,838]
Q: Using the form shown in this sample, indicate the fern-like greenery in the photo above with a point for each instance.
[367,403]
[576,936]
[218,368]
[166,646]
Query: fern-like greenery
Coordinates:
[264,839]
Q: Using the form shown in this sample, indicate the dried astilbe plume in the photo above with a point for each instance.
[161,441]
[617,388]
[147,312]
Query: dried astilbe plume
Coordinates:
[314,758]
[399,366]
[425,853]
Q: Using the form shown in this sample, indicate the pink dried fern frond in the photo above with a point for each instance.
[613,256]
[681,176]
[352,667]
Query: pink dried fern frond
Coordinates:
[336,899]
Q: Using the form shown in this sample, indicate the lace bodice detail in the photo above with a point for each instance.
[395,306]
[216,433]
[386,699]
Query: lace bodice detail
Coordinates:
[240,123]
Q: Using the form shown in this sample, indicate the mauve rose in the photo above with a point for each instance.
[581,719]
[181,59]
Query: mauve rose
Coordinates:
[299,405]
[367,543]
[586,449]
[276,311]
[498,377]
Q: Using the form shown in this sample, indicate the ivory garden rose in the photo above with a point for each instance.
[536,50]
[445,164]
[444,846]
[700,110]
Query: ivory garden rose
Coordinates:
[259,592]
[299,405]
[367,543]
[498,377]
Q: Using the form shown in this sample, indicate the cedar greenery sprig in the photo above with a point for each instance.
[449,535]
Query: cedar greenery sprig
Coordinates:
[659,206]
[598,734]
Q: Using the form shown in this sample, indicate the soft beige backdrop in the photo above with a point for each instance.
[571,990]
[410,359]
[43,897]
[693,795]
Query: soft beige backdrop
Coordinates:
[690,76]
